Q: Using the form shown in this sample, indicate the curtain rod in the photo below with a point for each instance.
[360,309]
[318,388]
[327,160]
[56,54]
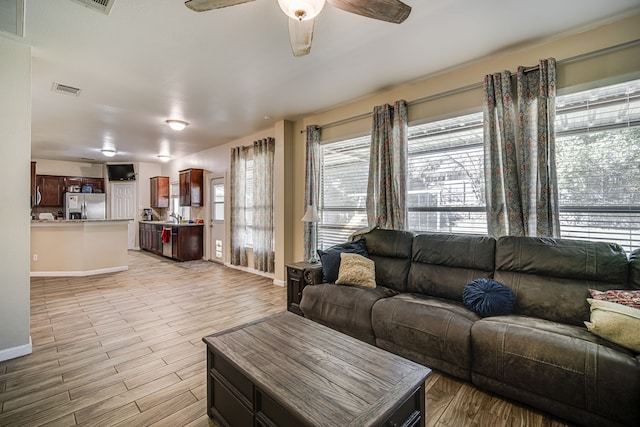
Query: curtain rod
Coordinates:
[479,84]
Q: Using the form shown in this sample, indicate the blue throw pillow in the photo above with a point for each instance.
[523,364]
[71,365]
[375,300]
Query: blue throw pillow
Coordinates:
[330,258]
[488,297]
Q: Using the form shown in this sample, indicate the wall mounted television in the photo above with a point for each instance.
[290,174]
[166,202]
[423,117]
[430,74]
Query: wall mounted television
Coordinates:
[121,172]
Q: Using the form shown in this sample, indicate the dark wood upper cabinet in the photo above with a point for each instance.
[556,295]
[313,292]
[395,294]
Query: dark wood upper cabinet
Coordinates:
[34,195]
[96,184]
[159,191]
[49,191]
[191,187]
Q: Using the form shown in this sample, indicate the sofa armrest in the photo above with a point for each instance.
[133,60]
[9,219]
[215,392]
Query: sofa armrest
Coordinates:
[313,275]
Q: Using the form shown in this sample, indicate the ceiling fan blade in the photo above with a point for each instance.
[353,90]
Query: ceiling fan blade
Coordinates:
[384,10]
[204,5]
[301,34]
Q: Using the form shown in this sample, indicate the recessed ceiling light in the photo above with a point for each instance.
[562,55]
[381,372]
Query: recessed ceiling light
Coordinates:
[108,152]
[177,124]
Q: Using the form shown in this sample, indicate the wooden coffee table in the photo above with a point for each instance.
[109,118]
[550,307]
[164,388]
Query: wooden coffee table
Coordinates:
[286,370]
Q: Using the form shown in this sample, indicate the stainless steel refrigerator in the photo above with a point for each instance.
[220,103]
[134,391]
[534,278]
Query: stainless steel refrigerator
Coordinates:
[85,206]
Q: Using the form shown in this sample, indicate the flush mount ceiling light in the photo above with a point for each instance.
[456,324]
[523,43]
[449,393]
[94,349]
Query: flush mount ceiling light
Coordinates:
[164,157]
[108,152]
[177,124]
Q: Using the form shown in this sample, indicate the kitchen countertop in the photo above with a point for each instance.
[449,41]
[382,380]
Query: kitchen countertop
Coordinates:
[181,224]
[77,221]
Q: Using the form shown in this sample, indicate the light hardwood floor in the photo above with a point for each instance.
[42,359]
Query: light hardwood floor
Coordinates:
[125,349]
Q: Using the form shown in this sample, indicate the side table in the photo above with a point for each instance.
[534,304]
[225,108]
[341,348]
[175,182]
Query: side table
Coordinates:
[295,285]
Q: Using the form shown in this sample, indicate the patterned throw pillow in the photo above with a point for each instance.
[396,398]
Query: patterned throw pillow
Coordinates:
[356,270]
[488,297]
[615,322]
[630,298]
[330,258]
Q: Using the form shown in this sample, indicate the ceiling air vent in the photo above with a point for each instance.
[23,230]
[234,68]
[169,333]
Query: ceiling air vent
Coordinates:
[103,6]
[67,90]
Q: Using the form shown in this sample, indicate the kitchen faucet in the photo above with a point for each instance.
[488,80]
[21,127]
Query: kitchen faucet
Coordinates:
[176,216]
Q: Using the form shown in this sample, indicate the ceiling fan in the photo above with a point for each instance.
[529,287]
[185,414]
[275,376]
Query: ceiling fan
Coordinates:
[302,14]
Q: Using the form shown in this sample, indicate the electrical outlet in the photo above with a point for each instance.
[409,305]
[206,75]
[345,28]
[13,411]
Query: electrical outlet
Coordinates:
[35,257]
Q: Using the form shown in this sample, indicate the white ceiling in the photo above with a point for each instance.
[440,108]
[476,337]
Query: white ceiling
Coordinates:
[230,72]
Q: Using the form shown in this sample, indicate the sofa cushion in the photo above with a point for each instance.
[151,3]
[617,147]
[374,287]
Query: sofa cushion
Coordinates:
[344,308]
[391,252]
[330,258]
[551,277]
[487,297]
[356,270]
[634,269]
[538,361]
[442,264]
[615,322]
[432,331]
[630,298]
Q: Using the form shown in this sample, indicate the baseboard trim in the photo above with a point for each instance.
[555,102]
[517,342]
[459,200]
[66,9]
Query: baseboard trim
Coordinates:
[79,273]
[12,353]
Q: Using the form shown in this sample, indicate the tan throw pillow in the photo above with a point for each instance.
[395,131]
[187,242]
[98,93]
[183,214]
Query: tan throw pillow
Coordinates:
[615,322]
[356,270]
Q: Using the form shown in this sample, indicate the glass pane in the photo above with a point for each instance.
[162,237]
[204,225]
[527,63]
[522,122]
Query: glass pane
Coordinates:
[218,211]
[218,193]
[597,158]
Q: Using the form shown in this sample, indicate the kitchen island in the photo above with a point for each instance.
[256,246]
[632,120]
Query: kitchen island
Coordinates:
[78,247]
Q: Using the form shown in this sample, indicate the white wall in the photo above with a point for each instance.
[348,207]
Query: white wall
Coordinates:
[15,137]
[65,168]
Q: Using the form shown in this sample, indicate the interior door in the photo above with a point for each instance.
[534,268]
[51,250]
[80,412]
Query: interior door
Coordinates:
[123,198]
[216,225]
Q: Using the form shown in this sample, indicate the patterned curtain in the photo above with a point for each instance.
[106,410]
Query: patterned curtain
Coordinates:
[311,186]
[521,187]
[387,184]
[238,178]
[263,247]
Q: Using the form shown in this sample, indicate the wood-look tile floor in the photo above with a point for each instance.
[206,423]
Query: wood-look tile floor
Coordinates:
[125,349]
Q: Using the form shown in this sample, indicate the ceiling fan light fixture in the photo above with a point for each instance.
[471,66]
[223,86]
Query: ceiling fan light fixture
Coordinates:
[177,124]
[108,152]
[302,10]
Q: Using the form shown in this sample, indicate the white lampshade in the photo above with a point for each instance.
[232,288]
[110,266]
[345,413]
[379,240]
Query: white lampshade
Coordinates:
[301,10]
[311,214]
[177,124]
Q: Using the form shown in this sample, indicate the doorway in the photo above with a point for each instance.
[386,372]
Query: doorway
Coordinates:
[216,226]
[123,199]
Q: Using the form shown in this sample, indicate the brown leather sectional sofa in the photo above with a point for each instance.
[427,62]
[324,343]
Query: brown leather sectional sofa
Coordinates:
[541,354]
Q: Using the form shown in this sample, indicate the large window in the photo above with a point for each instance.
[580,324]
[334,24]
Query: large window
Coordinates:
[249,204]
[446,176]
[597,159]
[343,189]
[598,164]
[445,181]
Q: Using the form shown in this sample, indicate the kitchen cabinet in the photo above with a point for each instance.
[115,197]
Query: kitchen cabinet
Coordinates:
[49,190]
[33,184]
[186,240]
[150,236]
[187,244]
[191,187]
[95,183]
[159,191]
